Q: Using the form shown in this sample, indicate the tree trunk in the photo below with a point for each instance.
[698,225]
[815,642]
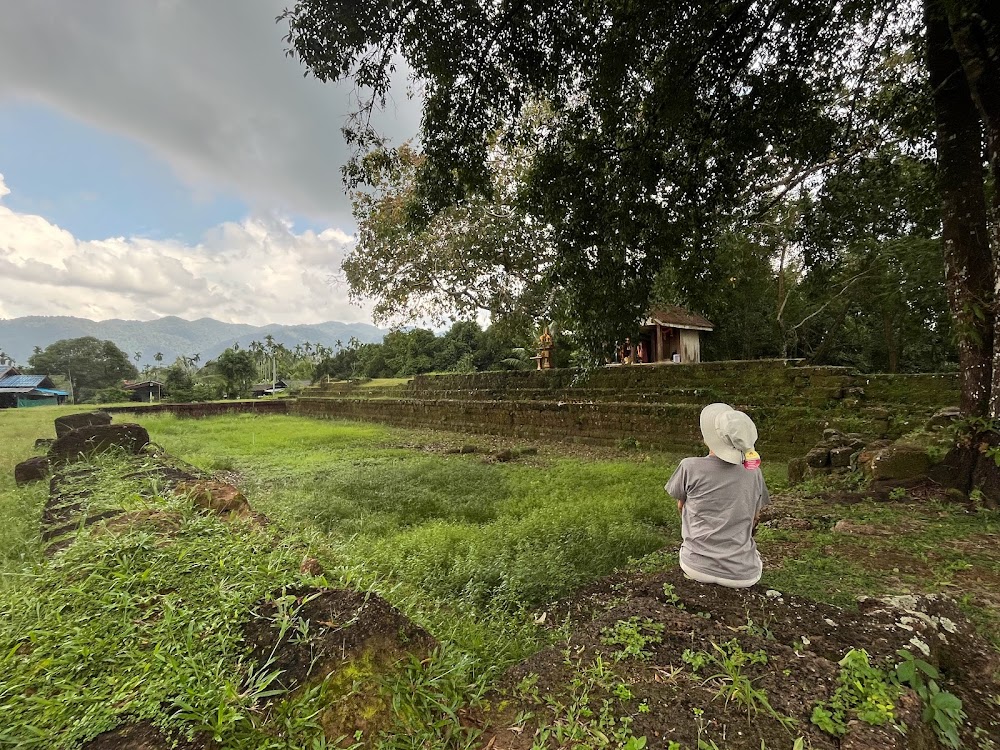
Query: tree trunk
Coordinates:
[975,30]
[892,350]
[830,338]
[969,269]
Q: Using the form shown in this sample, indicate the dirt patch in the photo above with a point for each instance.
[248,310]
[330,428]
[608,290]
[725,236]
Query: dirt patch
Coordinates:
[348,638]
[141,736]
[310,633]
[802,642]
[234,478]
[774,553]
[888,560]
[163,476]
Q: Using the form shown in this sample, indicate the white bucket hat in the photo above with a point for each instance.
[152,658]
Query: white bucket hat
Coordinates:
[730,434]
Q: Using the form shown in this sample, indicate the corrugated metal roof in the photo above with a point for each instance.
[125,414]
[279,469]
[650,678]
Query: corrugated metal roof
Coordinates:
[22,381]
[143,384]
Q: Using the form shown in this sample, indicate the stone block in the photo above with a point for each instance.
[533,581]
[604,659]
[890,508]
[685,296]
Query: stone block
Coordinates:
[943,418]
[796,470]
[31,470]
[93,439]
[70,422]
[868,453]
[841,457]
[217,497]
[900,462]
[818,458]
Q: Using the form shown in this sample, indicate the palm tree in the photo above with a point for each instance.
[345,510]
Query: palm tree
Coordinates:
[158,357]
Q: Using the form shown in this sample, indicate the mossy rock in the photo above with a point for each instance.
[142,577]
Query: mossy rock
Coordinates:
[899,462]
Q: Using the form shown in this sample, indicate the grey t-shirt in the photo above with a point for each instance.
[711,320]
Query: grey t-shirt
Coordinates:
[720,502]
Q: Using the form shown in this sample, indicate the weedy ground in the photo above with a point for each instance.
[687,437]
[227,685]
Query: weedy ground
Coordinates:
[470,547]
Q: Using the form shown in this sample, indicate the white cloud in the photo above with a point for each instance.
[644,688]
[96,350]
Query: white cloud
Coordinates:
[257,271]
[206,85]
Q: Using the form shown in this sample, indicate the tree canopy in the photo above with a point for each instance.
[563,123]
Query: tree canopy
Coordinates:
[673,125]
[238,371]
[89,363]
[664,118]
[465,347]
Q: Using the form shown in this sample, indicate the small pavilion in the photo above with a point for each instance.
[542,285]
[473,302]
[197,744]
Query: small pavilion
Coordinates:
[669,334]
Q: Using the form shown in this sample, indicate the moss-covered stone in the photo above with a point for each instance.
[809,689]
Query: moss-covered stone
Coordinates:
[899,462]
[656,405]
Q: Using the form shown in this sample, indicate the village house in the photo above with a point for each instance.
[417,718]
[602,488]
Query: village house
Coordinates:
[20,391]
[278,386]
[147,390]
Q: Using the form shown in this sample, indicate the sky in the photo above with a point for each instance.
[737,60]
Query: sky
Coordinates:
[166,157]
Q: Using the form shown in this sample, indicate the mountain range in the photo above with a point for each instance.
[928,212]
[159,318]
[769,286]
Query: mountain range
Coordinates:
[171,336]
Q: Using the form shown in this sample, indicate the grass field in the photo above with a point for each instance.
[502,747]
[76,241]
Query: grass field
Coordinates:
[469,547]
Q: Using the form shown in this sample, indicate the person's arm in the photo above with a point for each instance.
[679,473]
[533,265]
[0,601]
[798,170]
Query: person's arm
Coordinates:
[677,486]
[765,500]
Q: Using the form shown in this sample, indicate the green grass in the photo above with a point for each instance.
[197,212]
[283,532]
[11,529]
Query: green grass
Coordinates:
[451,527]
[385,382]
[138,626]
[468,548]
[21,507]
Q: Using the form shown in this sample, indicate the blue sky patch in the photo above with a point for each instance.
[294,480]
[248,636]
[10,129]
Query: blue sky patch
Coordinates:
[97,184]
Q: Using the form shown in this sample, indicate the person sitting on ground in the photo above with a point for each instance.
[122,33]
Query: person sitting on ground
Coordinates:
[720,497]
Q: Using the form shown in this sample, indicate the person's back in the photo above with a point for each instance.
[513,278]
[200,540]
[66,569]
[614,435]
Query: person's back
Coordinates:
[720,504]
[719,497]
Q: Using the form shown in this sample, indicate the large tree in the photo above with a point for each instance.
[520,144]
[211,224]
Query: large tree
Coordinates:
[671,119]
[88,363]
[659,116]
[485,255]
[238,370]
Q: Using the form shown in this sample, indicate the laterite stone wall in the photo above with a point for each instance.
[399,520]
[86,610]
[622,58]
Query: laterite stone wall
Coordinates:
[656,406]
[209,409]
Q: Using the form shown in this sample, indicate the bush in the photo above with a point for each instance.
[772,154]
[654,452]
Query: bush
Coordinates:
[110,396]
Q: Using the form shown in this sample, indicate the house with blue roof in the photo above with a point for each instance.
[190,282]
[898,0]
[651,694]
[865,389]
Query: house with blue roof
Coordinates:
[19,391]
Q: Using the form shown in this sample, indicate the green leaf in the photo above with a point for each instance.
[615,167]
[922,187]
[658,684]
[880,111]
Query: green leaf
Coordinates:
[945,701]
[906,671]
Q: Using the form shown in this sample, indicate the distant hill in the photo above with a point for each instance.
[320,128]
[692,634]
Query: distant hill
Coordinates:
[171,336]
